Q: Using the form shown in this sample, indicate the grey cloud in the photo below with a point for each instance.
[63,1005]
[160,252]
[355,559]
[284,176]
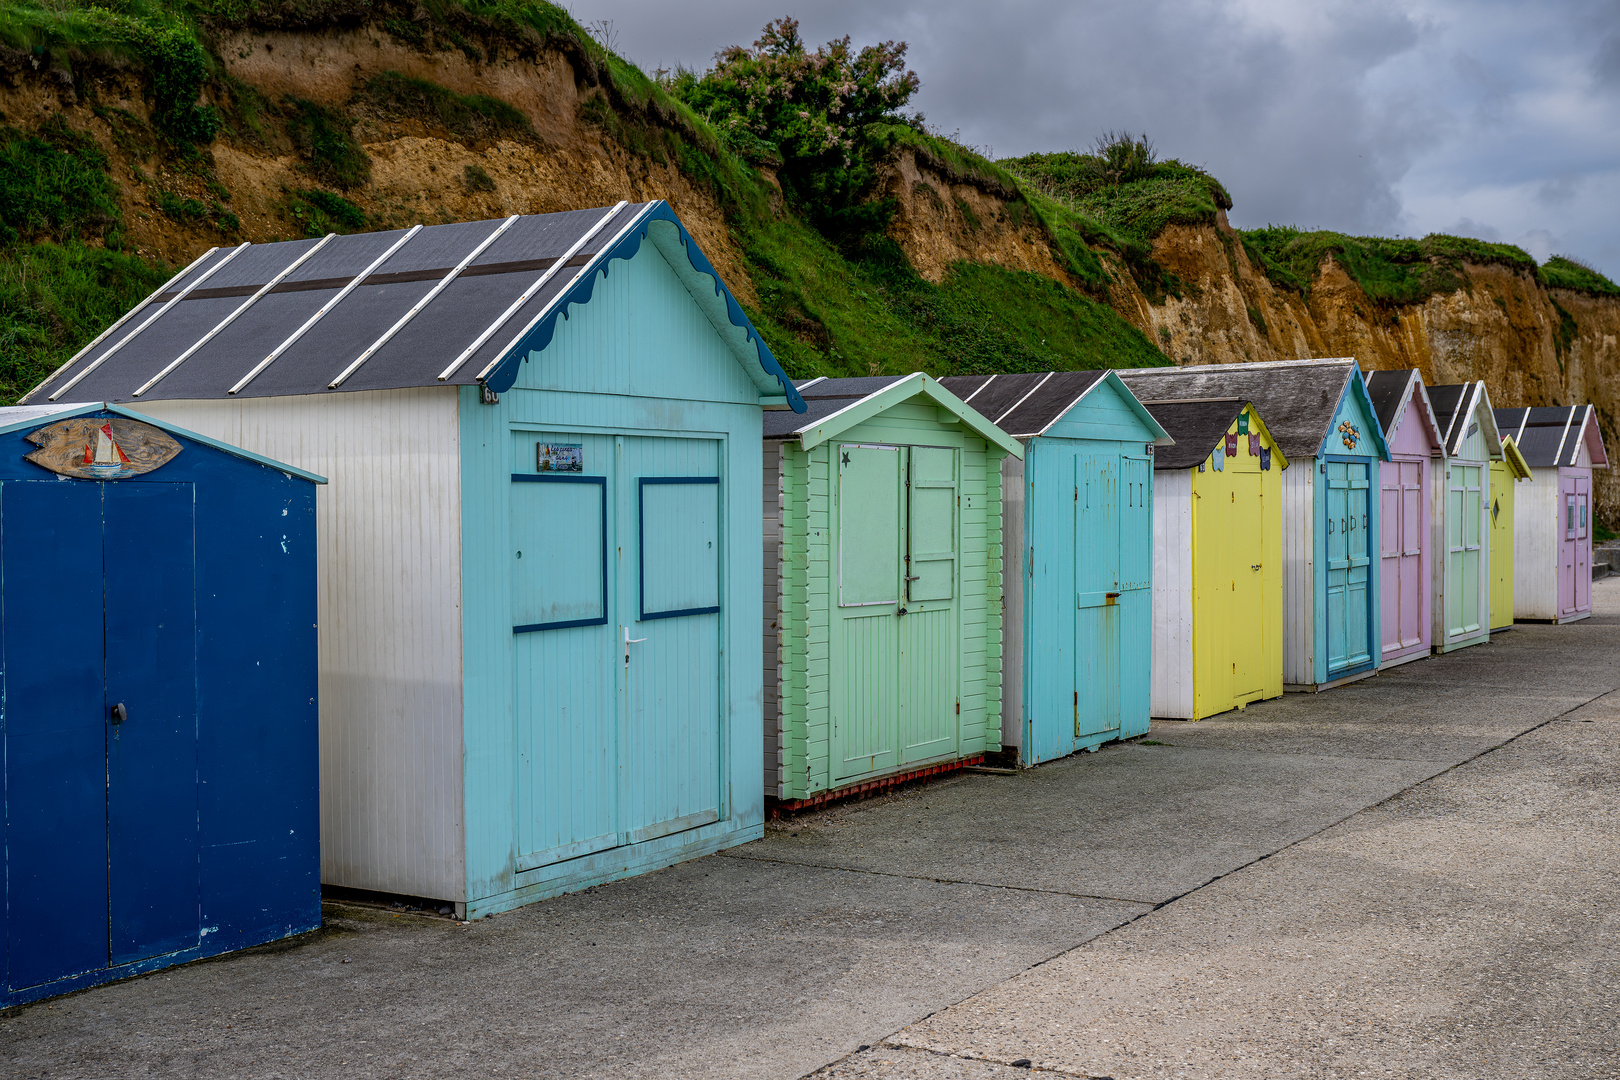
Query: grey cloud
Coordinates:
[1365,117]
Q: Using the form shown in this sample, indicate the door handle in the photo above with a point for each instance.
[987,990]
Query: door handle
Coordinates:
[1256,566]
[900,613]
[629,641]
[118,714]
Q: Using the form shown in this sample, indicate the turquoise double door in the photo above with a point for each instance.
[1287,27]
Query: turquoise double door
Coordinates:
[616,550]
[1088,597]
[1347,521]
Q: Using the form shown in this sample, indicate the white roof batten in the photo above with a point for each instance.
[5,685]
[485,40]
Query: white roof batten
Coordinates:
[588,268]
[353,284]
[422,303]
[981,389]
[243,306]
[528,293]
[997,421]
[1563,437]
[127,338]
[128,315]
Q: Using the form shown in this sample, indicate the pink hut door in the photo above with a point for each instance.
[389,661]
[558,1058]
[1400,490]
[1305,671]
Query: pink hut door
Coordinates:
[1401,549]
[1575,554]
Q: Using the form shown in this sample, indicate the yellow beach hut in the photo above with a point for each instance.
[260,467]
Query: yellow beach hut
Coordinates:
[1504,475]
[1217,559]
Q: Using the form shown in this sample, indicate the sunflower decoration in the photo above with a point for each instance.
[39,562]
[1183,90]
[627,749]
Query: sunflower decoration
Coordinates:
[1349,434]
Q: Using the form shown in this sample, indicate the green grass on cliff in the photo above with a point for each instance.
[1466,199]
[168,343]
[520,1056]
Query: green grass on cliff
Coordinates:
[1562,272]
[1390,272]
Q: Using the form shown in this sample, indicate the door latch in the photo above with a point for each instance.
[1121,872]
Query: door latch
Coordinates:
[900,613]
[118,714]
[629,641]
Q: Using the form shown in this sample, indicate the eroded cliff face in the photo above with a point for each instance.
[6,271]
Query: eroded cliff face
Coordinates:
[1532,346]
[1502,327]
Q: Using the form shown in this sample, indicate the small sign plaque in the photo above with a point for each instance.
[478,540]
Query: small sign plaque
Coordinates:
[559,457]
[101,447]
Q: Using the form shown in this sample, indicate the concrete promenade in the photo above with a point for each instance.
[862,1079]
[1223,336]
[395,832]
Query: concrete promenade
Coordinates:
[1414,876]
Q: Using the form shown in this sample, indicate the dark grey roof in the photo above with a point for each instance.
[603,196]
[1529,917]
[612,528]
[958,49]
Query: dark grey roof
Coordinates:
[1548,436]
[1197,426]
[1388,392]
[822,398]
[1023,405]
[1447,400]
[1296,398]
[234,308]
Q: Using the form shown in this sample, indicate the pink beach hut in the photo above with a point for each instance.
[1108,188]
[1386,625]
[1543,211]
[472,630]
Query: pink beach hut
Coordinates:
[1417,451]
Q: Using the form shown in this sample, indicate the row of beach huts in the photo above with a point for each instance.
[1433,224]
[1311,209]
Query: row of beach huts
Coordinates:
[530,636]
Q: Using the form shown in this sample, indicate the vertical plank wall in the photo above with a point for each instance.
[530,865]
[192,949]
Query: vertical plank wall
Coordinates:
[1172,682]
[1299,571]
[1537,534]
[1014,547]
[389,579]
[771,642]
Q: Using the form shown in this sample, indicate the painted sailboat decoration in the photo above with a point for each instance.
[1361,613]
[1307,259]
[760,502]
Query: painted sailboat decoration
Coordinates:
[102,454]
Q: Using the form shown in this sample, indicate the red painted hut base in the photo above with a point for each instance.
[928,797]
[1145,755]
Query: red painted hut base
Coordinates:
[777,808]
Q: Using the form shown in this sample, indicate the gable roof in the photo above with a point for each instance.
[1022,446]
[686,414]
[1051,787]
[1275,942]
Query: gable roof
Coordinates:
[1517,467]
[1550,436]
[433,305]
[1391,391]
[1198,424]
[27,417]
[1453,404]
[1025,406]
[833,406]
[1298,398]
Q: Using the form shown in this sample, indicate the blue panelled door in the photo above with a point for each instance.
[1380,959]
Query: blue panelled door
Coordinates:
[1349,566]
[101,824]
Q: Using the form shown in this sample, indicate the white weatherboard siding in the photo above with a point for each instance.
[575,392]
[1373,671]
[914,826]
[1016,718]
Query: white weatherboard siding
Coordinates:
[390,609]
[1172,678]
[1536,539]
[1012,601]
[1299,572]
[772,642]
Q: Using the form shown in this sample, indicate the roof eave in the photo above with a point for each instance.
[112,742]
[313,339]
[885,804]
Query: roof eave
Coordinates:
[1355,383]
[913,385]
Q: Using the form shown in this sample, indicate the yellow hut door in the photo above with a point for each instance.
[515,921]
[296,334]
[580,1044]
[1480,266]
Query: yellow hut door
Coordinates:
[1242,531]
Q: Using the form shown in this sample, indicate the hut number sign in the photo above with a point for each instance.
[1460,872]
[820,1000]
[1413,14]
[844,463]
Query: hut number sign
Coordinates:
[550,457]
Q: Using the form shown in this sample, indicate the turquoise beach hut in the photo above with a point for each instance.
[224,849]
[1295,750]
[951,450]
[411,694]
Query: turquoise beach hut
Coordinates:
[539,558]
[1323,420]
[1078,528]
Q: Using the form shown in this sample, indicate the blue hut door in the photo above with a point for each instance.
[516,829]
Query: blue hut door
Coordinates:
[1096,554]
[616,599]
[1349,597]
[98,633]
[1135,593]
[670,620]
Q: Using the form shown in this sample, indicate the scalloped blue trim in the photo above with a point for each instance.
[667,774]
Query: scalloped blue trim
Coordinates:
[580,289]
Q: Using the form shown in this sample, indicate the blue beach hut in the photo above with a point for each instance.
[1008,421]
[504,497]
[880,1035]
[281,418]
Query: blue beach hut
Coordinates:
[1078,523]
[158,708]
[540,555]
[1324,422]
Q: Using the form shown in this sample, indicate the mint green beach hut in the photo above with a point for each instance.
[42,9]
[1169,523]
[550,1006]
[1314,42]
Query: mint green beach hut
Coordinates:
[883,631]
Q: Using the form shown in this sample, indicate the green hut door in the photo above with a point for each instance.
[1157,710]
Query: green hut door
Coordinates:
[1464,511]
[894,648]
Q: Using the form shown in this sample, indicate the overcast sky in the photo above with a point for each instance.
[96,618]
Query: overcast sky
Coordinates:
[1498,120]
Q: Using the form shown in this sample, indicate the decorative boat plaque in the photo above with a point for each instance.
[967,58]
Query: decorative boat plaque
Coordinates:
[101,448]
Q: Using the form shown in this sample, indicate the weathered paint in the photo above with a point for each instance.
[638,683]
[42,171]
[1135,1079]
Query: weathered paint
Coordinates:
[866,690]
[186,823]
[1085,639]
[1218,606]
